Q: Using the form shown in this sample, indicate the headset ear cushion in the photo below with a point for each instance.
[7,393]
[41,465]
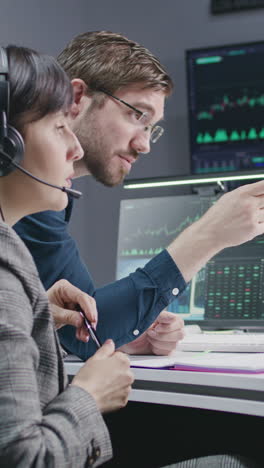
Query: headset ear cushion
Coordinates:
[13,145]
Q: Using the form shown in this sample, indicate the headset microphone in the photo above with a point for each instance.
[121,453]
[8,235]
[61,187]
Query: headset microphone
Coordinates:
[73,193]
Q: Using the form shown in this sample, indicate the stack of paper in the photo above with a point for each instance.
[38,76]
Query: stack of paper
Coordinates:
[206,362]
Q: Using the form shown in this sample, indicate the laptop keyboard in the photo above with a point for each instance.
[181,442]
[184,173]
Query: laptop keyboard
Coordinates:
[243,343]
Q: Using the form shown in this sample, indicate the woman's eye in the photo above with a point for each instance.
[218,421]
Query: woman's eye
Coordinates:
[60,127]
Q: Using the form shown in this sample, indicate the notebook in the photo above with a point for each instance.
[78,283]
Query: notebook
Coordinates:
[205,362]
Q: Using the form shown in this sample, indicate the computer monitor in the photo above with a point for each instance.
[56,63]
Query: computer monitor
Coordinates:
[225,93]
[227,292]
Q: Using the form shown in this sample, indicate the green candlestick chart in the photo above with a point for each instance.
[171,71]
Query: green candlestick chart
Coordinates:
[222,135]
[226,103]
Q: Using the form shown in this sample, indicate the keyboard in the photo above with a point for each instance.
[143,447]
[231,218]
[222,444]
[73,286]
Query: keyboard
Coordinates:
[236,343]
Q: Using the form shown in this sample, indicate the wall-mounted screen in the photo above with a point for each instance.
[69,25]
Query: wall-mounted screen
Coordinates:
[226,108]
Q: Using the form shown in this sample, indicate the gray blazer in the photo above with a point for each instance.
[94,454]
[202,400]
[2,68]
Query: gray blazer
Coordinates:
[43,421]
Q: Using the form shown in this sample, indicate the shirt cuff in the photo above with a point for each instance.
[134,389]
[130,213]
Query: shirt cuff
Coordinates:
[166,275]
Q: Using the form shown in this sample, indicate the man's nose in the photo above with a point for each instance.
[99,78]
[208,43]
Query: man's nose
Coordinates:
[141,142]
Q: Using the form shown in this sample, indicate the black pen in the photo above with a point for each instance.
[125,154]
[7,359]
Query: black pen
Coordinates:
[91,330]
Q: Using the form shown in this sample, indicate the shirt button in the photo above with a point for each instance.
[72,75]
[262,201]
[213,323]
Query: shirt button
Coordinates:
[175,291]
[136,332]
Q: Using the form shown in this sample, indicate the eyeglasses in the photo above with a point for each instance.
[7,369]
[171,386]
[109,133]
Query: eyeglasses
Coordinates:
[155,130]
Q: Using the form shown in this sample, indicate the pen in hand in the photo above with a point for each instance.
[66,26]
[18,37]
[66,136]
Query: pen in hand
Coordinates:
[91,330]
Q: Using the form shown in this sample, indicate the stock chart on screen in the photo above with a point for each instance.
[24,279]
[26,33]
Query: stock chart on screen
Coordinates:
[229,287]
[226,108]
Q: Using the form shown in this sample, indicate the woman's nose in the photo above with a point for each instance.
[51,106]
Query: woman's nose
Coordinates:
[76,151]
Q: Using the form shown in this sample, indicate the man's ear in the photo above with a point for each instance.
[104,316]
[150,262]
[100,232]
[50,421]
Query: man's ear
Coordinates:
[80,94]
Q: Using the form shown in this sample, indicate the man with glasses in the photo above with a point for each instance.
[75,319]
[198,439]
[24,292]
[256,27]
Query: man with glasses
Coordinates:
[119,95]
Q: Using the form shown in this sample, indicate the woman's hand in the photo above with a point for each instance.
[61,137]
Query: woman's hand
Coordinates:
[65,300]
[107,377]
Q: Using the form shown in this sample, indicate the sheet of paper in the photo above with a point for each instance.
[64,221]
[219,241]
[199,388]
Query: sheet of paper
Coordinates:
[251,362]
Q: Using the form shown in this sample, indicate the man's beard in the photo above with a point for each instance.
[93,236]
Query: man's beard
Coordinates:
[96,154]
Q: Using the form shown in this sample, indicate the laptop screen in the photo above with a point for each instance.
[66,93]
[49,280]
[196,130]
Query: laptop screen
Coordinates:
[227,292]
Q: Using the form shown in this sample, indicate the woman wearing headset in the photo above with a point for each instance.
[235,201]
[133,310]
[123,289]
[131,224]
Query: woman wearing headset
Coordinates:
[44,421]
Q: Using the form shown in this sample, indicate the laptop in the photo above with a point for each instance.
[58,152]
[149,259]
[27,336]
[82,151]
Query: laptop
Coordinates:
[228,293]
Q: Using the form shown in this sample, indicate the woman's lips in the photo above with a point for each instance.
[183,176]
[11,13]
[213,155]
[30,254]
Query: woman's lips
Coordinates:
[69,183]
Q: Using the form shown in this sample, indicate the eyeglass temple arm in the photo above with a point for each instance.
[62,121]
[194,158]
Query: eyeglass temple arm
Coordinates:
[123,102]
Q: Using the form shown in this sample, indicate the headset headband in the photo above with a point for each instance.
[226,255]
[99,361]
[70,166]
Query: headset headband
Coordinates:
[11,142]
[4,82]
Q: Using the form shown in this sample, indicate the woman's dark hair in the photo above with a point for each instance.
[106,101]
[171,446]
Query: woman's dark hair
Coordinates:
[38,86]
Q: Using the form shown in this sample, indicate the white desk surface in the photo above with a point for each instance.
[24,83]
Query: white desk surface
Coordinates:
[236,393]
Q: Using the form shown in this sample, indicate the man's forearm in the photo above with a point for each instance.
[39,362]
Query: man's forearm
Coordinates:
[237,217]
[192,249]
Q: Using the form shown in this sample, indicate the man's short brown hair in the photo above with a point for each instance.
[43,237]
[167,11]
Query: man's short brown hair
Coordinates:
[110,61]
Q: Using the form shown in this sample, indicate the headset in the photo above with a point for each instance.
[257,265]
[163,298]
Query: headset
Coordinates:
[11,142]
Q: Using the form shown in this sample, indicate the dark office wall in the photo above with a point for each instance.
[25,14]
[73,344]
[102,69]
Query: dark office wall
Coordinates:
[44,25]
[167,28]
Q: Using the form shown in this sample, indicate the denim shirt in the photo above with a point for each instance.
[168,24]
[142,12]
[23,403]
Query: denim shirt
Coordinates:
[126,308]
